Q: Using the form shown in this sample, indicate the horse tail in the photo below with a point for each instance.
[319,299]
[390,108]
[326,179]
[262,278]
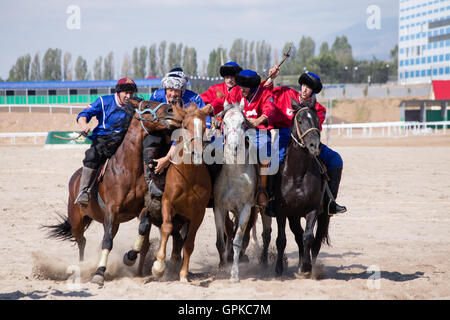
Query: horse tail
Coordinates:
[63,229]
[323,222]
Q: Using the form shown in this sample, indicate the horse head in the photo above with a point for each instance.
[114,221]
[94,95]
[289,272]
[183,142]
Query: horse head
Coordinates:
[193,127]
[305,131]
[234,125]
[154,116]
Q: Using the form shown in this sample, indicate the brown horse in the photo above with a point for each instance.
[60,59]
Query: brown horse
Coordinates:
[188,187]
[121,191]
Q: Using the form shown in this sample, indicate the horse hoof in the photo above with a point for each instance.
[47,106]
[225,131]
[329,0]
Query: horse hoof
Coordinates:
[184,280]
[244,259]
[158,268]
[130,258]
[98,280]
[306,268]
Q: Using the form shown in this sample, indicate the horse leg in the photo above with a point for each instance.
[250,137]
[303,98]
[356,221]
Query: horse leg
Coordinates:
[323,221]
[166,229]
[177,246]
[188,246]
[142,254]
[76,221]
[308,240]
[219,217]
[251,227]
[244,217]
[144,229]
[107,245]
[281,243]
[229,234]
[266,235]
[296,228]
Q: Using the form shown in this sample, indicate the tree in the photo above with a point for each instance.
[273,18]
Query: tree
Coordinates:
[305,50]
[126,66]
[263,56]
[81,69]
[190,61]
[290,66]
[142,62]
[236,52]
[21,70]
[35,74]
[135,62]
[251,56]
[51,65]
[108,67]
[67,67]
[172,56]
[152,60]
[97,69]
[162,58]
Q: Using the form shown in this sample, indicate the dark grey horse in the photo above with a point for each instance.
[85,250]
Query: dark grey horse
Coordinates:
[299,189]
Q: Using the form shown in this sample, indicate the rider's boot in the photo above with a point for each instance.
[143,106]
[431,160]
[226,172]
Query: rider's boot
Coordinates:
[335,179]
[262,198]
[84,191]
[155,182]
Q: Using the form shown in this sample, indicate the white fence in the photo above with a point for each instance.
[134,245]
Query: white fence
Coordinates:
[386,129]
[50,107]
[13,135]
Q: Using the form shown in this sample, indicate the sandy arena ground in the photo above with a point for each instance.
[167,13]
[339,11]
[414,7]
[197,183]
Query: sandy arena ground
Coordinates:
[394,242]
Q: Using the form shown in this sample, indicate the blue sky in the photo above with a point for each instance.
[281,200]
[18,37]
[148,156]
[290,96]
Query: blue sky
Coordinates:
[119,26]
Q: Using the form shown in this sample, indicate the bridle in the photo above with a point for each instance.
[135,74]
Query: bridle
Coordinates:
[153,113]
[300,135]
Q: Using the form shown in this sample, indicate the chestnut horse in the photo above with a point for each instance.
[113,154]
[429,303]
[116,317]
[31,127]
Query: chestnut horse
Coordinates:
[188,187]
[121,191]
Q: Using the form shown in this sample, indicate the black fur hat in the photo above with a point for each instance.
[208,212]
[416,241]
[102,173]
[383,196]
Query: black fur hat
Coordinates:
[230,69]
[311,80]
[248,79]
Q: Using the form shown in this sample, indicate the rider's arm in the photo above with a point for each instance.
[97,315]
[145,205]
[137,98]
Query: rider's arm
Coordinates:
[164,161]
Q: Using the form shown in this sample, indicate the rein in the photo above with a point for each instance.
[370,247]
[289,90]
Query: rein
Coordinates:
[300,135]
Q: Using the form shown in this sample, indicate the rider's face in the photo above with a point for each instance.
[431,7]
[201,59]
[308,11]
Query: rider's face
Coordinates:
[230,81]
[124,97]
[173,94]
[245,92]
[306,92]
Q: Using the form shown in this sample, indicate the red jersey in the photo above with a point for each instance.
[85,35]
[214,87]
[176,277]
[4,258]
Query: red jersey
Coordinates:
[262,104]
[215,96]
[284,114]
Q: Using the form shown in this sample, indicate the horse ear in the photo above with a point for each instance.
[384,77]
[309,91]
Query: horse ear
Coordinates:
[294,104]
[178,111]
[207,109]
[242,104]
[312,103]
[134,103]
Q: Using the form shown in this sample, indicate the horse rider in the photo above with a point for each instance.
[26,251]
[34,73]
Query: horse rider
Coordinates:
[158,151]
[258,110]
[215,95]
[310,85]
[113,119]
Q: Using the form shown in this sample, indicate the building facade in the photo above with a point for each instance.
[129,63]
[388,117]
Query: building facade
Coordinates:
[424,41]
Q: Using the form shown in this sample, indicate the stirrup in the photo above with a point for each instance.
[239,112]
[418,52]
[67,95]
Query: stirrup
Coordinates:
[261,207]
[83,197]
[334,209]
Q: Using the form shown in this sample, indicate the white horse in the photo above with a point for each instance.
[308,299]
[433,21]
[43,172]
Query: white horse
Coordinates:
[235,187]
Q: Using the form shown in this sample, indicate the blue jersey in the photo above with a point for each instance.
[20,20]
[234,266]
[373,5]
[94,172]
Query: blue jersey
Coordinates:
[188,97]
[110,115]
